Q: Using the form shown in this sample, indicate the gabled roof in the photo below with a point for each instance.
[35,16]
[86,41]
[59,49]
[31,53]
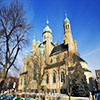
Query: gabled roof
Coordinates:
[45,43]
[78,58]
[58,49]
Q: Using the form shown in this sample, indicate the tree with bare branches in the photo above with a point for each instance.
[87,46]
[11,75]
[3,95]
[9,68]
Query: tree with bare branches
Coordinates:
[13,29]
[39,60]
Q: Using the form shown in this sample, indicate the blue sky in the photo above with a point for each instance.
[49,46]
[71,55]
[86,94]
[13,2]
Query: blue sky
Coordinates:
[84,16]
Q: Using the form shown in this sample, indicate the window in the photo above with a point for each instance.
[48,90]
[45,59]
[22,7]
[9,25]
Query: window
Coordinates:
[64,56]
[99,81]
[24,81]
[44,37]
[27,63]
[54,78]
[51,61]
[98,74]
[21,82]
[62,77]
[57,59]
[67,26]
[34,71]
[47,78]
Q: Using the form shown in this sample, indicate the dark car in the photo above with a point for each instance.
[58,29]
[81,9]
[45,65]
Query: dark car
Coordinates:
[97,96]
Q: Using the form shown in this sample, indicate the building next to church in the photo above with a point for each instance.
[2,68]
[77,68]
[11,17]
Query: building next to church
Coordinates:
[98,79]
[52,55]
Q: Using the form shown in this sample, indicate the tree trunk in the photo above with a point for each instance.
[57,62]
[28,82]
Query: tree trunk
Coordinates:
[1,84]
[39,91]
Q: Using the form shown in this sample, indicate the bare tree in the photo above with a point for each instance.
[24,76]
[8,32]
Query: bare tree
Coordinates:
[13,29]
[68,58]
[40,72]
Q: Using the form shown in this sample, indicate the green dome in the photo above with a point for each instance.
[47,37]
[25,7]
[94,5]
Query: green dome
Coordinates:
[38,41]
[47,28]
[66,19]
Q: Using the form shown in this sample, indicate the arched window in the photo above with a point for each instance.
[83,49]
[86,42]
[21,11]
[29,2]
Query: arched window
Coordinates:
[47,78]
[54,78]
[51,61]
[21,82]
[34,71]
[24,81]
[67,26]
[62,77]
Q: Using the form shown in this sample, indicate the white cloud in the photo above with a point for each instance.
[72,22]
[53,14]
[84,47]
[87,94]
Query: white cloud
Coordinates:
[93,59]
[92,52]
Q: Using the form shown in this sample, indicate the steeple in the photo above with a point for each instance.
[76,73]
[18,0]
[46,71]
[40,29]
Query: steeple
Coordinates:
[66,19]
[34,41]
[66,24]
[47,28]
[68,40]
[34,44]
[47,32]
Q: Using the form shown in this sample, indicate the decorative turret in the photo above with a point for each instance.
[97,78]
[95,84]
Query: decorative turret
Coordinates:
[31,53]
[56,44]
[68,40]
[47,28]
[66,24]
[66,19]
[34,41]
[47,32]
[34,44]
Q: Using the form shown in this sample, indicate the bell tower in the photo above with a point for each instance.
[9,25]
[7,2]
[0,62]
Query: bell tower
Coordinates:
[68,40]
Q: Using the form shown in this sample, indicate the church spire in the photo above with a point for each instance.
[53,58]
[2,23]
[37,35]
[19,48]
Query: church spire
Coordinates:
[66,24]
[47,32]
[47,28]
[34,41]
[68,40]
[66,19]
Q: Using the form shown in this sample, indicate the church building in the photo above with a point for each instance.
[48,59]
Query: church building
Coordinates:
[52,62]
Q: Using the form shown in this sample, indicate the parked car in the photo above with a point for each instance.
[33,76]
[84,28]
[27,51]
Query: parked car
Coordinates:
[1,97]
[97,96]
[28,98]
[17,98]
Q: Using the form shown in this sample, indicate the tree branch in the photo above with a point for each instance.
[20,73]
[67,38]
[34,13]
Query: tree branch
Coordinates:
[1,64]
[12,61]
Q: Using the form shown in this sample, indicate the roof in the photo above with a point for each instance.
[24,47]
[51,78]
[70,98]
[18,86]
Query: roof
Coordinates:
[47,28]
[23,73]
[55,65]
[87,70]
[66,20]
[45,43]
[78,58]
[58,49]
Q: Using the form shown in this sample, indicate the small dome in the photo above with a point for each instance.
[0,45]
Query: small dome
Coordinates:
[38,41]
[66,19]
[47,28]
